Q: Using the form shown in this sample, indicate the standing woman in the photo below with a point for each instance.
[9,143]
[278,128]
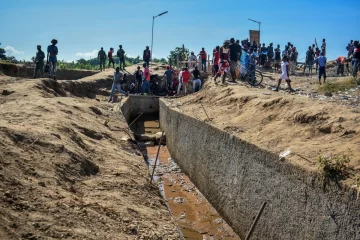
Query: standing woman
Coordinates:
[285,73]
[52,52]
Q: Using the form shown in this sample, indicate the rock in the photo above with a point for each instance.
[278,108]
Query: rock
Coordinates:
[7,92]
[179,200]
[218,220]
[149,143]
[8,194]
[182,215]
[41,184]
[328,94]
[341,119]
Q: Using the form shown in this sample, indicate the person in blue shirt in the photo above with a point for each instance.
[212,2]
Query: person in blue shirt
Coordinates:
[322,66]
[52,52]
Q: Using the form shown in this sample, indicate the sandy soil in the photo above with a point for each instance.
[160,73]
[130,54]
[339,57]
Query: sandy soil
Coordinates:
[279,121]
[66,174]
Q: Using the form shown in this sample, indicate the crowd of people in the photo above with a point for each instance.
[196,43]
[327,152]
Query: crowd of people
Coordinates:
[225,60]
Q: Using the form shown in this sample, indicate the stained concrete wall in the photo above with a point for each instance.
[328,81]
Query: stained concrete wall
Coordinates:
[136,104]
[237,177]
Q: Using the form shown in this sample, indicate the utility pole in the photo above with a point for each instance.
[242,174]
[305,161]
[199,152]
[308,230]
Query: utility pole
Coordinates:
[152,32]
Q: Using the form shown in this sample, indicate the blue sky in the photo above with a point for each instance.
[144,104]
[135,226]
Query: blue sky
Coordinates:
[82,26]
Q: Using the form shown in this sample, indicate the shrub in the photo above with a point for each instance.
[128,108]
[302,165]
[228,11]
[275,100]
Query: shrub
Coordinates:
[335,167]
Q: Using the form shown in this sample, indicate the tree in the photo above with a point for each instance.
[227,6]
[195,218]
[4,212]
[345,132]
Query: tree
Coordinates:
[181,51]
[2,53]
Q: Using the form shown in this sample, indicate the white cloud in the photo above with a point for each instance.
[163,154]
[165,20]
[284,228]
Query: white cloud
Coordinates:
[11,50]
[92,54]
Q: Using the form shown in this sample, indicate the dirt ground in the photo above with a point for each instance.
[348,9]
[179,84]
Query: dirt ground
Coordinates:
[279,121]
[67,169]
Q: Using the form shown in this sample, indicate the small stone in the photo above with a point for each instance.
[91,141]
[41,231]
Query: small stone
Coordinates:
[182,215]
[8,194]
[42,184]
[328,94]
[218,220]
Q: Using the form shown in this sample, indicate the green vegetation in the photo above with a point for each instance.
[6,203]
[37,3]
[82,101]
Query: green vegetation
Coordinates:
[335,167]
[339,85]
[181,51]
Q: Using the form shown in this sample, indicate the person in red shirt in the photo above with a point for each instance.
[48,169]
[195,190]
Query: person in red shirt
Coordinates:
[111,60]
[216,57]
[340,65]
[223,62]
[203,59]
[184,80]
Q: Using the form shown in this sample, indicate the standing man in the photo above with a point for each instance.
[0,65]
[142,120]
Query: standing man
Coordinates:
[216,57]
[117,84]
[146,82]
[52,52]
[169,77]
[356,58]
[322,66]
[277,64]
[270,52]
[350,48]
[111,60]
[224,61]
[196,81]
[309,60]
[203,55]
[323,47]
[102,59]
[121,55]
[235,51]
[39,61]
[184,77]
[293,60]
[147,55]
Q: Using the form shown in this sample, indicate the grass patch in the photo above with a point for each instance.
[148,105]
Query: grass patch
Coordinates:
[335,167]
[339,85]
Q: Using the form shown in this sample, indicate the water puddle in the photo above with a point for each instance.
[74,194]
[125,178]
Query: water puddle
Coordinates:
[192,212]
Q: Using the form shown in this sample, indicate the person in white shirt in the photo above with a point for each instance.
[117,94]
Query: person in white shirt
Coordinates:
[285,74]
[192,60]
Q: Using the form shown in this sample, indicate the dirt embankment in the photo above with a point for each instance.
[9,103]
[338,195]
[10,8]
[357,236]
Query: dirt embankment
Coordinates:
[279,122]
[68,172]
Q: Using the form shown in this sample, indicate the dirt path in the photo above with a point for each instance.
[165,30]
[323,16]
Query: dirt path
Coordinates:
[67,170]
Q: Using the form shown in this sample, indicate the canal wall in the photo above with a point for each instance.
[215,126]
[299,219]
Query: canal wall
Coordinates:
[237,177]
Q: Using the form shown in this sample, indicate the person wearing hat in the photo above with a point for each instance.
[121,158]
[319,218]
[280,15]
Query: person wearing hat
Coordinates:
[52,52]
[39,61]
[169,77]
[102,58]
[121,55]
[322,66]
[147,55]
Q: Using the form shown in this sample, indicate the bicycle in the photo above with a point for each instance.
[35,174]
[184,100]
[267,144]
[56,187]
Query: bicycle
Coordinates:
[254,78]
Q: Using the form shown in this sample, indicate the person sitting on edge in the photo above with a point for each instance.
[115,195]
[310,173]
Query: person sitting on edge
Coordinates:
[196,81]
[147,56]
[117,84]
[184,77]
[111,60]
[322,66]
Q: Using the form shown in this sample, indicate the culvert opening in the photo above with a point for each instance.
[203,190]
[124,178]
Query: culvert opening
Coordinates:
[194,215]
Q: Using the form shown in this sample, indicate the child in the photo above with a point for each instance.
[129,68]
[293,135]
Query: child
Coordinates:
[285,73]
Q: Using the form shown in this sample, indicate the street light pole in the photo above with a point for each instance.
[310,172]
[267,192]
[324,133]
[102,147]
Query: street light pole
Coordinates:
[259,27]
[152,33]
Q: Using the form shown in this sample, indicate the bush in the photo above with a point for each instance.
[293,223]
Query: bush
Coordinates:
[339,85]
[335,167]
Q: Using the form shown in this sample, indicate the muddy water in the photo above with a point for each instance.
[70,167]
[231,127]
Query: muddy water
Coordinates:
[193,213]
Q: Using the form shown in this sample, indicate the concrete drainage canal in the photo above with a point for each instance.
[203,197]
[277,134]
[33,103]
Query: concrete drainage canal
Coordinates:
[194,215]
